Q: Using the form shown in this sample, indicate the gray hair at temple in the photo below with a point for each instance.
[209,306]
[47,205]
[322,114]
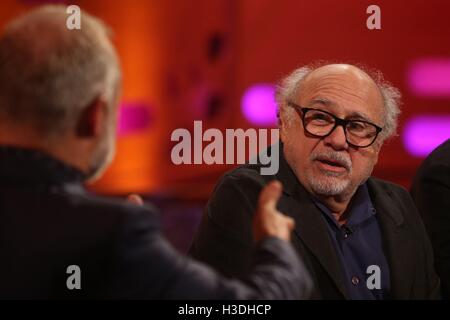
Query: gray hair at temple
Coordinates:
[287,90]
[49,73]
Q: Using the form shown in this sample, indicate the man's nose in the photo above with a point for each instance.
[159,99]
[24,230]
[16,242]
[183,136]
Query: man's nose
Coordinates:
[337,139]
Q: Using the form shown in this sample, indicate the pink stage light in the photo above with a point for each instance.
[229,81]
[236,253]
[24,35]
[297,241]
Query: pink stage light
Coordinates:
[134,117]
[422,134]
[258,105]
[430,77]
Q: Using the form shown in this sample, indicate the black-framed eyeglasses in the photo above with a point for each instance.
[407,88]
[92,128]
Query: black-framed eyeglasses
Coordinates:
[320,123]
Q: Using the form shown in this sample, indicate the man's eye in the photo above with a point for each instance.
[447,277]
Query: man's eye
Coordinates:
[319,117]
[356,126]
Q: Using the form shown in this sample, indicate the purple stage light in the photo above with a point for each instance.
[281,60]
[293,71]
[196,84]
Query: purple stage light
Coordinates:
[422,134]
[258,105]
[430,77]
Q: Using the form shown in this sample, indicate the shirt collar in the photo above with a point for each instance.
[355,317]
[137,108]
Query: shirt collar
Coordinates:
[360,208]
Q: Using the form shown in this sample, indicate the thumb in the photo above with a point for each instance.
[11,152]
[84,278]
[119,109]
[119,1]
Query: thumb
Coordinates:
[270,195]
[135,199]
[290,223]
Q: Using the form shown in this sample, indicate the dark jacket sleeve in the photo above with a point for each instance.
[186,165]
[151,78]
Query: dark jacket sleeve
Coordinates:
[431,192]
[148,267]
[224,238]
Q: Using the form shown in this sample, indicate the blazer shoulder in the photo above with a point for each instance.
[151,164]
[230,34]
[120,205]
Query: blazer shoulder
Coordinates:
[243,182]
[109,211]
[247,173]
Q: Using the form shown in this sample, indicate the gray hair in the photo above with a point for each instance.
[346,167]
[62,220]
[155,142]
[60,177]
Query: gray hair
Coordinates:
[288,90]
[49,73]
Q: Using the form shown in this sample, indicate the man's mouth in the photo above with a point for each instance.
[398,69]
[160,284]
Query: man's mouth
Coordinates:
[332,165]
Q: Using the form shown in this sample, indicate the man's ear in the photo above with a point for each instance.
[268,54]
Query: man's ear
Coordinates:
[92,119]
[377,149]
[282,128]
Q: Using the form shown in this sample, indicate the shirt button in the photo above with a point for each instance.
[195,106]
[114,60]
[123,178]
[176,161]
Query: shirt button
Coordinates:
[355,280]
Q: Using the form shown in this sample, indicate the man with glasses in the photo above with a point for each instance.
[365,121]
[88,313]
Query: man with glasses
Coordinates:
[361,237]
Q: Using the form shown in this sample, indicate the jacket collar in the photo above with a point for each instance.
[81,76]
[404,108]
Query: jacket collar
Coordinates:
[20,166]
[310,228]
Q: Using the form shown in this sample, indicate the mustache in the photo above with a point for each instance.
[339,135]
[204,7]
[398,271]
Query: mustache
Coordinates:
[337,157]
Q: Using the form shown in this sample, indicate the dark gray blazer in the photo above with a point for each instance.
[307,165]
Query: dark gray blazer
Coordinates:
[48,222]
[223,239]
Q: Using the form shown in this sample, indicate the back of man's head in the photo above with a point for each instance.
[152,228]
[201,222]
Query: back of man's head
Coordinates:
[59,88]
[49,73]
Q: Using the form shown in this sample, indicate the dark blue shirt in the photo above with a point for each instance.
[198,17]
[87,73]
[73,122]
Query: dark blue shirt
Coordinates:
[358,245]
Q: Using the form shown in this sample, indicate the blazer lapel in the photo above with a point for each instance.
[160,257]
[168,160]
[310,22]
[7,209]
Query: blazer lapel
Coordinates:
[310,227]
[311,230]
[397,244]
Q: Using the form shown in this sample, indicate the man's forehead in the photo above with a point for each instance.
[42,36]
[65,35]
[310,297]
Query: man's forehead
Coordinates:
[329,83]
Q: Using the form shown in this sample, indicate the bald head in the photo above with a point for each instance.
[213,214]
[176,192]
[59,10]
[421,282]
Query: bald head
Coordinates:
[48,73]
[340,68]
[345,76]
[346,85]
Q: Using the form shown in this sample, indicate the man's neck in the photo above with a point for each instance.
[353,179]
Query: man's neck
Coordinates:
[59,148]
[337,205]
